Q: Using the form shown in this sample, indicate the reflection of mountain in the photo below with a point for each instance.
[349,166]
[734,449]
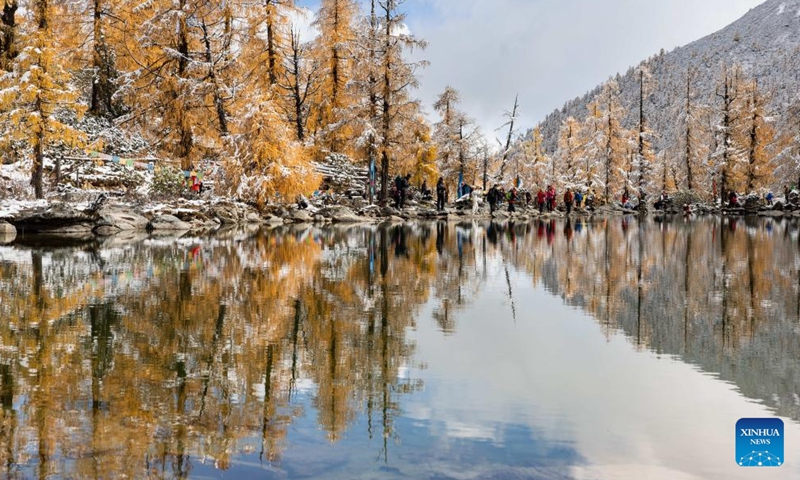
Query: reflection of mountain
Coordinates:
[723,295]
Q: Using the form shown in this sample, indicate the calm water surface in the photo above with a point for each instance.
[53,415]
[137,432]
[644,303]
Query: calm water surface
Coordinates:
[604,350]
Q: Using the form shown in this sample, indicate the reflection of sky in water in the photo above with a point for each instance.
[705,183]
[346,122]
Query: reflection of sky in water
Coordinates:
[549,396]
[545,392]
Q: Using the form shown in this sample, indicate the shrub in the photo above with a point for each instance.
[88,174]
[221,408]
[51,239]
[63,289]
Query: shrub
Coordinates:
[168,182]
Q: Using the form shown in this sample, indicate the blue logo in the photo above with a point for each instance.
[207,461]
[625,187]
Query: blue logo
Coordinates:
[759,442]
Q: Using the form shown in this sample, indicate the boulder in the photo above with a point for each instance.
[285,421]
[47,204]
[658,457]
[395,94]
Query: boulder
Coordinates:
[229,213]
[116,218]
[388,211]
[7,232]
[349,218]
[53,218]
[253,217]
[299,216]
[168,222]
[273,220]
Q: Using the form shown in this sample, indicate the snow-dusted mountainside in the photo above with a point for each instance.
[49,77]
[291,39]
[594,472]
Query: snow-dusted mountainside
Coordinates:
[765,42]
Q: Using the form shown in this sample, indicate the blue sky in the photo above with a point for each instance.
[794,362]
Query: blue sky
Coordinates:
[548,51]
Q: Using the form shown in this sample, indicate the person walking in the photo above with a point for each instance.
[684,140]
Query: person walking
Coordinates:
[550,196]
[513,195]
[540,197]
[493,196]
[441,194]
[405,182]
[568,198]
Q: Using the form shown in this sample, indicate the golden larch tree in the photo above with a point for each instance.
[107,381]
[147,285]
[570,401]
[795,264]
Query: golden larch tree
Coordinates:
[37,88]
[334,50]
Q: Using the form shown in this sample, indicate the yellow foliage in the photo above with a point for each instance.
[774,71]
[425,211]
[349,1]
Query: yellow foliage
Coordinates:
[266,164]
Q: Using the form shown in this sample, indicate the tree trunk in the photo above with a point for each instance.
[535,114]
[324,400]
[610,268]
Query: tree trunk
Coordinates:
[219,104]
[38,165]
[387,100]
[689,177]
[102,63]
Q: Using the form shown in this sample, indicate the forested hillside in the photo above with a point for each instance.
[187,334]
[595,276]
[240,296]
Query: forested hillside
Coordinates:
[199,81]
[722,112]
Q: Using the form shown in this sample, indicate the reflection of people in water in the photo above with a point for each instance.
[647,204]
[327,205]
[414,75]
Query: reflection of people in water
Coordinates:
[512,235]
[551,231]
[441,231]
[491,233]
[568,229]
[540,229]
[399,240]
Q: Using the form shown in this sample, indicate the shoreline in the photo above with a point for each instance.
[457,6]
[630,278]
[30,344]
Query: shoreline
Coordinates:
[104,218]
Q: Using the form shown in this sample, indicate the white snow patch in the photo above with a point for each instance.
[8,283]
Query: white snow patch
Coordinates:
[9,208]
[781,9]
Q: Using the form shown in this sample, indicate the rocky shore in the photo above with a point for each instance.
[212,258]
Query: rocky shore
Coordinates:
[105,217]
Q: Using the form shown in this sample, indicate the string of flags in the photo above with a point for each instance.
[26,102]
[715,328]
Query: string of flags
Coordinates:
[127,162]
[136,163]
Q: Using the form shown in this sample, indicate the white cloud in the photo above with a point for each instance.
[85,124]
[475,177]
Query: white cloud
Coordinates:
[548,51]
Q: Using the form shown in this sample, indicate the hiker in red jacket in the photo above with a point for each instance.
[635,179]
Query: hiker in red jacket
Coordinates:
[568,200]
[540,200]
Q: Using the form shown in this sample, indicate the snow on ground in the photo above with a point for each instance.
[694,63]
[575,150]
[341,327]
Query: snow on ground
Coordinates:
[10,207]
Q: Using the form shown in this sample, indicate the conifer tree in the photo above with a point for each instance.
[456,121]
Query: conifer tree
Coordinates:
[760,136]
[644,158]
[8,34]
[300,83]
[448,133]
[728,153]
[536,159]
[610,142]
[335,47]
[397,77]
[37,88]
[694,136]
[567,169]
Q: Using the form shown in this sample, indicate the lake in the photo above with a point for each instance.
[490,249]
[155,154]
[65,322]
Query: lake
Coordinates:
[602,349]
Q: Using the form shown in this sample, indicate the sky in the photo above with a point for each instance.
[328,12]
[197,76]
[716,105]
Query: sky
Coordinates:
[547,51]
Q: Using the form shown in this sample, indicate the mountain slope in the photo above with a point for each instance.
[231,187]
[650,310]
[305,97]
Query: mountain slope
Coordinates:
[765,43]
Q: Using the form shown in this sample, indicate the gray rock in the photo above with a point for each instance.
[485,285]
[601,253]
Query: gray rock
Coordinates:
[7,232]
[53,218]
[7,229]
[168,222]
[273,220]
[388,211]
[228,213]
[299,216]
[350,218]
[116,218]
[253,217]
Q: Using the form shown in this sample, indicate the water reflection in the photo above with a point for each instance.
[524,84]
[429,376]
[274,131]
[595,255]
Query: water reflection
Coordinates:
[164,357]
